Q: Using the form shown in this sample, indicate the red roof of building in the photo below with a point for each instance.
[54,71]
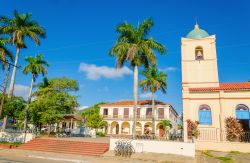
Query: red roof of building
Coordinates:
[131,102]
[225,87]
[69,116]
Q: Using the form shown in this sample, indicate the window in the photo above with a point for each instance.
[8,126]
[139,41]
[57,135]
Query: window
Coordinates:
[149,113]
[199,53]
[105,112]
[126,112]
[205,115]
[242,112]
[161,113]
[115,112]
[138,115]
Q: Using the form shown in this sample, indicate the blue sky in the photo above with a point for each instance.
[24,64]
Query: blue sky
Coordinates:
[82,32]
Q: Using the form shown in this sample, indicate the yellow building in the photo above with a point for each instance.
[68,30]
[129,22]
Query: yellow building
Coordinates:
[119,117]
[205,99]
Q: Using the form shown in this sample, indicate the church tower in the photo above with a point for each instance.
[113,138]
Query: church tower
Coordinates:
[199,59]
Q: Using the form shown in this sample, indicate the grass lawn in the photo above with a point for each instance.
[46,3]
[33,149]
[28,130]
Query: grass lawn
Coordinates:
[224,157]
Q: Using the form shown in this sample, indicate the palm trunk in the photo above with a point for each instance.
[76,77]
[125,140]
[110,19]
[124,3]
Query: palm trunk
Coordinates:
[4,89]
[135,98]
[154,114]
[27,107]
[12,82]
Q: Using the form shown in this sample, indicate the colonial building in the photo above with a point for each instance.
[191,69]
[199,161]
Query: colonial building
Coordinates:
[205,99]
[119,116]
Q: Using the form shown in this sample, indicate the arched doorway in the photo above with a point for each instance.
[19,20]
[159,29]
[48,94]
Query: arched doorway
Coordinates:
[160,130]
[114,128]
[148,128]
[243,115]
[125,128]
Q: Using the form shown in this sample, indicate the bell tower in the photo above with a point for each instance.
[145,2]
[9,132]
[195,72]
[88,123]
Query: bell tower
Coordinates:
[199,59]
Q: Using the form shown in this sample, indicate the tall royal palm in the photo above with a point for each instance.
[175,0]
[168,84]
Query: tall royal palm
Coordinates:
[19,27]
[5,58]
[5,54]
[135,47]
[154,80]
[36,65]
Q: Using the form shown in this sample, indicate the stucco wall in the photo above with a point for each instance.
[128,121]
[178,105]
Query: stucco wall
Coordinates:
[15,137]
[178,148]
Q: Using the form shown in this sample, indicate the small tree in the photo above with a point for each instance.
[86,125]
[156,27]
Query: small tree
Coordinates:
[167,125]
[233,129]
[192,129]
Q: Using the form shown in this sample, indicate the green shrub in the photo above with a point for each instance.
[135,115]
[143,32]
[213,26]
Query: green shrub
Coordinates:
[101,134]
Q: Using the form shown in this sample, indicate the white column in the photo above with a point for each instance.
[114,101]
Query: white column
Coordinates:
[120,127]
[109,128]
[130,127]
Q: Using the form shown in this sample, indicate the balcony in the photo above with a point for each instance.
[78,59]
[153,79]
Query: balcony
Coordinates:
[130,117]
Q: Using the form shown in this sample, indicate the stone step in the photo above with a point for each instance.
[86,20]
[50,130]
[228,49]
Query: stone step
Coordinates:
[66,146]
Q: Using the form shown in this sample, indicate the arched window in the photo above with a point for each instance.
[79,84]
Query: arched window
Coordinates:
[205,115]
[242,112]
[199,53]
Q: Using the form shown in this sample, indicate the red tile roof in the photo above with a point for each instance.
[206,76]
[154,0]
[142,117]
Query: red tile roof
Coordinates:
[225,87]
[131,102]
[69,116]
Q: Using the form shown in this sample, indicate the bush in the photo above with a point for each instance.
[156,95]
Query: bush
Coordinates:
[192,129]
[101,134]
[233,129]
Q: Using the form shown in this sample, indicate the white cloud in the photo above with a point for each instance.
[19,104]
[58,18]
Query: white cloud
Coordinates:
[82,107]
[94,72]
[21,90]
[146,95]
[169,69]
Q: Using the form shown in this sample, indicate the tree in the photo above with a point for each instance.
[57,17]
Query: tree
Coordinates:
[134,46]
[154,80]
[95,121]
[5,53]
[93,118]
[13,107]
[52,101]
[36,65]
[192,129]
[20,27]
[167,125]
[234,130]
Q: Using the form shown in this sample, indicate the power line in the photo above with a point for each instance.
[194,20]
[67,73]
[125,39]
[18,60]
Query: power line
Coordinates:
[9,63]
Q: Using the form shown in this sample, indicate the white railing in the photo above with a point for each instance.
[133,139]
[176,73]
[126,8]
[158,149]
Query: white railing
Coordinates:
[214,134]
[130,117]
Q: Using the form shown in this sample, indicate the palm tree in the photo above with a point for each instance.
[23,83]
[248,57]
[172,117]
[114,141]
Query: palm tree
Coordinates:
[154,80]
[5,57]
[19,27]
[135,47]
[35,67]
[5,53]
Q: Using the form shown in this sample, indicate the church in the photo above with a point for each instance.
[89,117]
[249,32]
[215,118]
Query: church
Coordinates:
[205,99]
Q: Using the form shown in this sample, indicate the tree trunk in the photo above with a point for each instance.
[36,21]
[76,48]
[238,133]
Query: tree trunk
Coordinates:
[4,88]
[12,82]
[135,98]
[27,107]
[154,114]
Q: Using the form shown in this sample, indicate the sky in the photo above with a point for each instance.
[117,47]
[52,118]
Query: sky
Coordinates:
[81,33]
